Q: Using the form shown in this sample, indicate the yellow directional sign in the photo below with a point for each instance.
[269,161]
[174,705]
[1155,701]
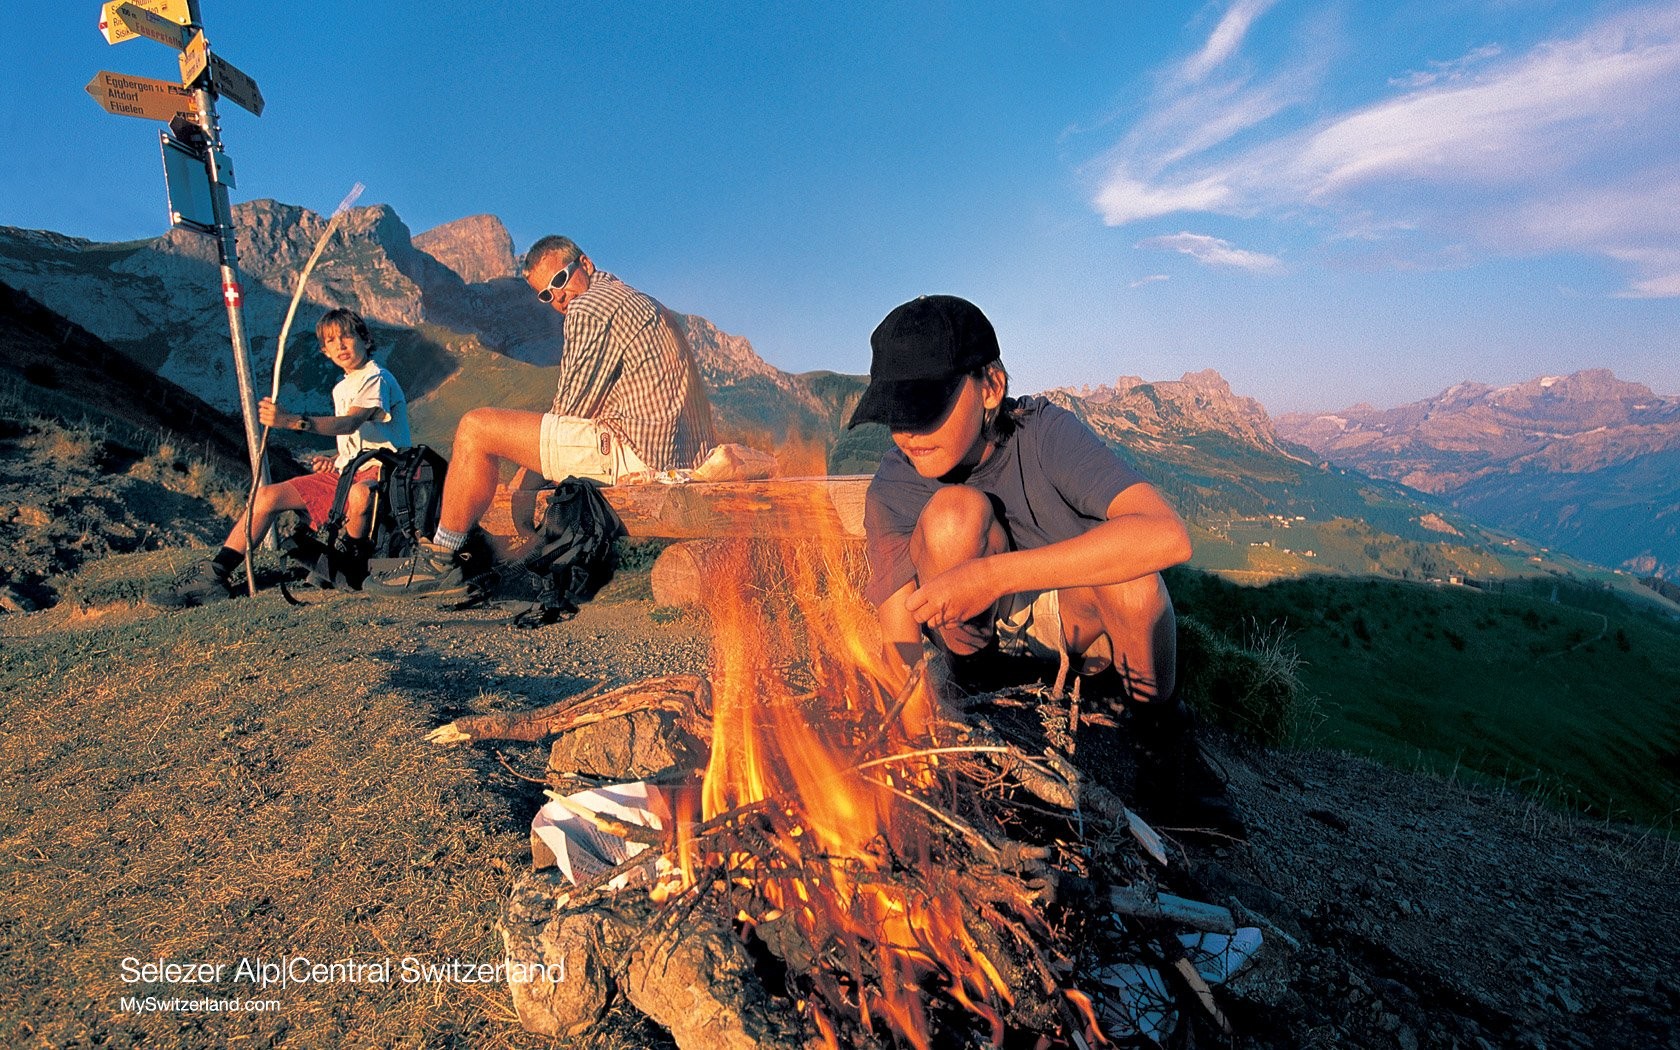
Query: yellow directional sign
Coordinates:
[142,97]
[226,79]
[151,24]
[116,30]
[195,58]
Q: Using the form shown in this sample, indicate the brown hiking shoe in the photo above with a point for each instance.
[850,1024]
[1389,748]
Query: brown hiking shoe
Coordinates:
[1176,787]
[430,571]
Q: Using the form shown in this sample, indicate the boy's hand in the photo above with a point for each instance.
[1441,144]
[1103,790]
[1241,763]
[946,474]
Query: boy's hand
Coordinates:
[320,464]
[955,597]
[270,413]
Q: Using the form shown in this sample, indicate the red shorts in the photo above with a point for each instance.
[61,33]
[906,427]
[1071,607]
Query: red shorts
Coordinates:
[317,491]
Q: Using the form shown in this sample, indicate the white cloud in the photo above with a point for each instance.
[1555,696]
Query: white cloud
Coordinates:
[1659,269]
[1125,200]
[1553,107]
[1561,147]
[1226,38]
[1450,71]
[1211,251]
[1154,278]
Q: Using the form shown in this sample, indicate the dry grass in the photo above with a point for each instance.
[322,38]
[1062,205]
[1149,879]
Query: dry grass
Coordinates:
[241,781]
[191,475]
[1253,688]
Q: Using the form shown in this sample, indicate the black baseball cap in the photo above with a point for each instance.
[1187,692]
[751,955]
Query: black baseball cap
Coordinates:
[920,354]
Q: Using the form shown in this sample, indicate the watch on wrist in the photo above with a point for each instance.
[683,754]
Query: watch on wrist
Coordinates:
[305,424]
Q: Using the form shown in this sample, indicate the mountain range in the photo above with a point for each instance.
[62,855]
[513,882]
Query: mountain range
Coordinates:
[1585,463]
[462,329]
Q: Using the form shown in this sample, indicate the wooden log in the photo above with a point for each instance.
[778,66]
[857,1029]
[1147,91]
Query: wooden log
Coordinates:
[781,508]
[683,694]
[680,571]
[1143,903]
[686,573]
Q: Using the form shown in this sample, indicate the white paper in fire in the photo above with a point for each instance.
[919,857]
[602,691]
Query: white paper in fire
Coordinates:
[1137,1001]
[583,851]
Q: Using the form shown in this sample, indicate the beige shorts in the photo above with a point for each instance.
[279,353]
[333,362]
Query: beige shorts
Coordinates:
[572,446]
[1030,624]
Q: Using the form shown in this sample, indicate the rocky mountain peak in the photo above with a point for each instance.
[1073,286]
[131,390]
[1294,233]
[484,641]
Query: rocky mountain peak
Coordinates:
[1207,379]
[1197,403]
[723,358]
[478,248]
[1590,398]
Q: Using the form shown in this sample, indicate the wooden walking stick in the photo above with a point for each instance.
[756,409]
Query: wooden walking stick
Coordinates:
[280,356]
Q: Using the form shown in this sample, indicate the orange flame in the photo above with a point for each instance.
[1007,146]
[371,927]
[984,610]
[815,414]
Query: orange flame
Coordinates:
[838,831]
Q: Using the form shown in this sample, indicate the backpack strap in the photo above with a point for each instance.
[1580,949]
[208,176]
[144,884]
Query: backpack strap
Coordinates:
[407,465]
[347,478]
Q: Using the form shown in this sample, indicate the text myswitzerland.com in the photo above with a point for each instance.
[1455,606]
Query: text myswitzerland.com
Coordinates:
[153,1004]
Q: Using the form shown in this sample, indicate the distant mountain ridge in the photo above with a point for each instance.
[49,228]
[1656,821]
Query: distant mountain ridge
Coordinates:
[1585,462]
[447,291]
[461,330]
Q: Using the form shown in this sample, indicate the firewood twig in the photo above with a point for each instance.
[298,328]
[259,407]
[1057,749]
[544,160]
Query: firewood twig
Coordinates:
[528,779]
[592,705]
[980,842]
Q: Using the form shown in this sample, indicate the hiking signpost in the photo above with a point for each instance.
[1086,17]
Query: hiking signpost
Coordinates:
[147,23]
[197,173]
[142,97]
[117,29]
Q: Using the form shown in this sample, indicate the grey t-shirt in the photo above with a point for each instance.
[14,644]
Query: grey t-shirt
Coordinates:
[1053,479]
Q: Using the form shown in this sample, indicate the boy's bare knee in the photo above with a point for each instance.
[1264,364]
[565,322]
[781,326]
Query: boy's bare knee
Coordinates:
[1139,602]
[265,499]
[957,518]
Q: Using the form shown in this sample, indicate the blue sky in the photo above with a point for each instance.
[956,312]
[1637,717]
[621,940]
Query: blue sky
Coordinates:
[1328,202]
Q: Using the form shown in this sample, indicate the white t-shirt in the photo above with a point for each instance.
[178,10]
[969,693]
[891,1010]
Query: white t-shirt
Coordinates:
[371,386]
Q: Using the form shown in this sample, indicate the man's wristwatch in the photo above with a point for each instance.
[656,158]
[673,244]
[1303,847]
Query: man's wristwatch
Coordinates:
[305,424]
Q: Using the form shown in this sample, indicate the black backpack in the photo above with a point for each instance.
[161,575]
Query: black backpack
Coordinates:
[407,503]
[572,551]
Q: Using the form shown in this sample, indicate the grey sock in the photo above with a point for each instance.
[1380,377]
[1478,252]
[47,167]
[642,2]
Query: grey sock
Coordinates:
[448,539]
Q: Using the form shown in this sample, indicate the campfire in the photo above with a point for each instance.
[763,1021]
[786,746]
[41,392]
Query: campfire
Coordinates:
[863,861]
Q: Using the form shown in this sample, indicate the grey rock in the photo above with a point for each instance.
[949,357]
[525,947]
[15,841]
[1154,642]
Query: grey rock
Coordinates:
[561,955]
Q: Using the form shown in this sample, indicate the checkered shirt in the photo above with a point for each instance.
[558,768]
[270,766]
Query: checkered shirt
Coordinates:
[628,366]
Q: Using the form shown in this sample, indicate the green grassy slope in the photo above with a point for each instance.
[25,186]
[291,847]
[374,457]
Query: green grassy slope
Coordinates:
[1576,696]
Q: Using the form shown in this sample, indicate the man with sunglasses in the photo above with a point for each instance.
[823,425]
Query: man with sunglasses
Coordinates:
[629,402]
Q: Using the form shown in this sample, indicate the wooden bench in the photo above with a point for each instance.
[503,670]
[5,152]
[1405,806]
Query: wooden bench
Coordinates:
[780,508]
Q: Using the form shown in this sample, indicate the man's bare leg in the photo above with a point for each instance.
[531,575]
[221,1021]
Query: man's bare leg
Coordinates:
[483,438]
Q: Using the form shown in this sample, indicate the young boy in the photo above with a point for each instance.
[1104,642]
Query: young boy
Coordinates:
[1005,524]
[369,411]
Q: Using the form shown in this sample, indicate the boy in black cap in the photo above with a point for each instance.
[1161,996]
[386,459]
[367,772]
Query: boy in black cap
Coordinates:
[1005,522]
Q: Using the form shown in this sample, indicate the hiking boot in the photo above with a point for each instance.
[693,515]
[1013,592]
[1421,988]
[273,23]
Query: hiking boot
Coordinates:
[201,583]
[1175,786]
[430,571]
[351,564]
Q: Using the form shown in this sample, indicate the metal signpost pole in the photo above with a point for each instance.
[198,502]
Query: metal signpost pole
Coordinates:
[195,168]
[232,294]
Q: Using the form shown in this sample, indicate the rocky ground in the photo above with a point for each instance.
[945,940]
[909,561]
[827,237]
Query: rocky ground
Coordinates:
[71,494]
[1430,914]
